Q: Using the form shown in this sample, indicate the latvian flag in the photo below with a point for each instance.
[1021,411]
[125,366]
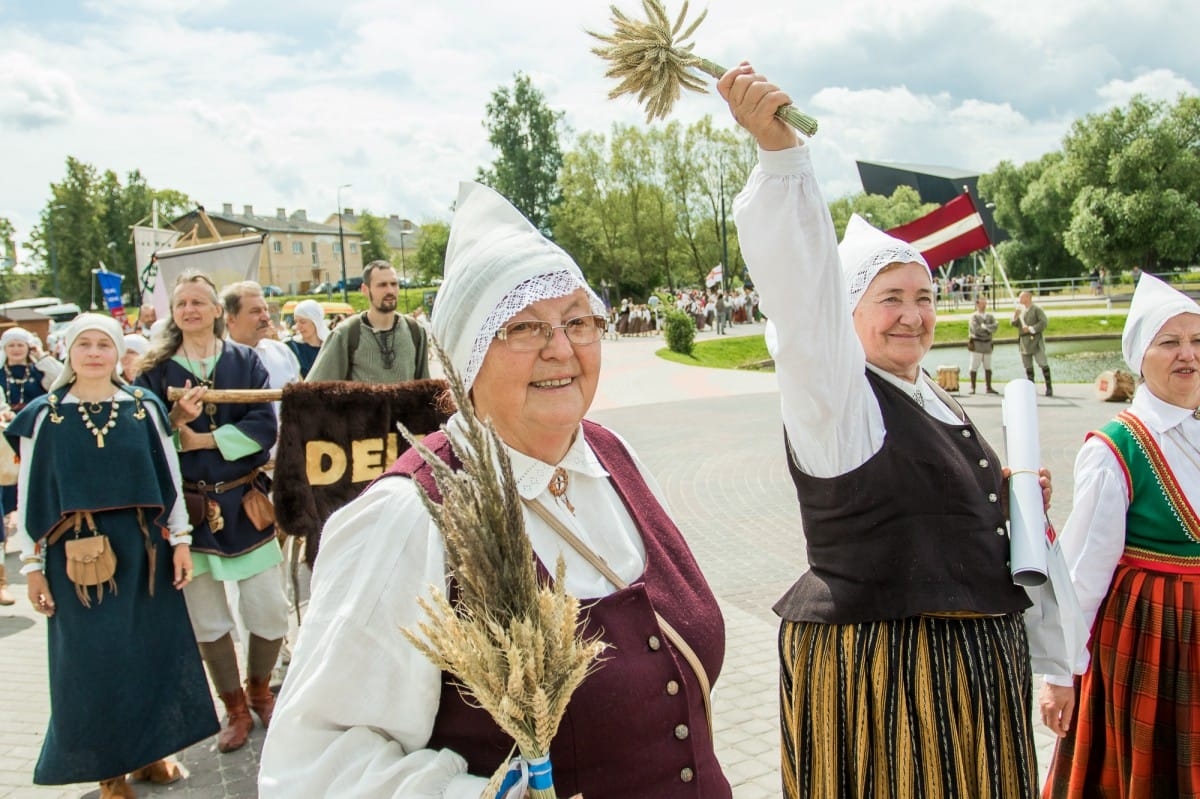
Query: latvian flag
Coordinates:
[715,275]
[950,232]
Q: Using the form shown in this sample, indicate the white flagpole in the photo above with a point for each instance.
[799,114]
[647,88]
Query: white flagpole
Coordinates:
[1012,295]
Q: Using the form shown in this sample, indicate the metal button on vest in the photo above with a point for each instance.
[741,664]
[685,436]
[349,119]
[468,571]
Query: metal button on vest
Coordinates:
[992,497]
[999,531]
[966,433]
[983,463]
[654,643]
[672,687]
[687,775]
[681,732]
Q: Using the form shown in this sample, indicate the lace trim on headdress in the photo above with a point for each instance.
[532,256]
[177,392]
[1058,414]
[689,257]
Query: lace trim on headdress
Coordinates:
[899,253]
[535,289]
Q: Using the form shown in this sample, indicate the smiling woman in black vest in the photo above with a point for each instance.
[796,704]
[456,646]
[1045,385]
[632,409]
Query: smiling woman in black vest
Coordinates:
[905,667]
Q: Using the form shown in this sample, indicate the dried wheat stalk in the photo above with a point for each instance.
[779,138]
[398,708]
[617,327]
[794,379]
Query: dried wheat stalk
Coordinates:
[651,59]
[514,645]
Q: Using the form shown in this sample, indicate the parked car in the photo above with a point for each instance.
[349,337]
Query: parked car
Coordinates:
[323,288]
[352,284]
[272,291]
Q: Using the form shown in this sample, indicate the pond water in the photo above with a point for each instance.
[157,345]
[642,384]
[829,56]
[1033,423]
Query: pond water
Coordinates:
[1070,361]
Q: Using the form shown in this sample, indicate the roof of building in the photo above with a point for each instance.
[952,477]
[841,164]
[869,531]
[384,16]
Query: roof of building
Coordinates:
[22,314]
[393,222]
[948,172]
[281,222]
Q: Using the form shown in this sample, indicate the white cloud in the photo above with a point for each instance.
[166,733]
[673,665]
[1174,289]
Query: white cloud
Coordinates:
[276,103]
[34,95]
[1157,84]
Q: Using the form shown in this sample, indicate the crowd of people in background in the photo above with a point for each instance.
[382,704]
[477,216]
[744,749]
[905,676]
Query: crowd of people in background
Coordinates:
[711,310]
[169,509]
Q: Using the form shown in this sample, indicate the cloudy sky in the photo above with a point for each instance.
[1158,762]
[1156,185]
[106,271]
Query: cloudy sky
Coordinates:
[276,104]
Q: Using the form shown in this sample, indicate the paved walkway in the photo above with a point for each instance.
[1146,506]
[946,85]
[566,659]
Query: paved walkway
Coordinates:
[712,438]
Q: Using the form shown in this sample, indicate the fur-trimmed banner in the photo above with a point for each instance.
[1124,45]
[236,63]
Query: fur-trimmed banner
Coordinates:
[336,437]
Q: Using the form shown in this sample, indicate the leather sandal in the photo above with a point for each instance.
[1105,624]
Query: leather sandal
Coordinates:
[116,788]
[160,772]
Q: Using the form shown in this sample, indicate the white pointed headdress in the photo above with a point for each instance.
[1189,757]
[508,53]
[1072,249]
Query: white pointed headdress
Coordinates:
[496,264]
[865,250]
[1154,302]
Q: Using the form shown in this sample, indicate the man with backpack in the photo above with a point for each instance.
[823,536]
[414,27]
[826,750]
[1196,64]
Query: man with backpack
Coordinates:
[378,345]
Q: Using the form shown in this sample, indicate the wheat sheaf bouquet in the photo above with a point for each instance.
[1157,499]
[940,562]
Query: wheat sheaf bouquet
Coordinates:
[653,60]
[512,644]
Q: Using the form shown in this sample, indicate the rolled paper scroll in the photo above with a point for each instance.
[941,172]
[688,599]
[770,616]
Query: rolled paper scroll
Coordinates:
[1026,513]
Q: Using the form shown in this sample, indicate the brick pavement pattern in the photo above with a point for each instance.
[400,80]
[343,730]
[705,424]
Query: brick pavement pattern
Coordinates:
[719,457]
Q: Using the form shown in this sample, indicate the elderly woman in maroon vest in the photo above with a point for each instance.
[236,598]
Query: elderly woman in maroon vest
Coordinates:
[1133,544]
[362,713]
[905,666]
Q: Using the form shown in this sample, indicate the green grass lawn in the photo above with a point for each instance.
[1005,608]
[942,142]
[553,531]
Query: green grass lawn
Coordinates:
[409,298]
[744,352]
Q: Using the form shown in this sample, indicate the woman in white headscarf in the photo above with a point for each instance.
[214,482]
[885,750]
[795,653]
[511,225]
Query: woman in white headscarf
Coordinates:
[1130,723]
[362,713]
[127,688]
[136,346]
[904,662]
[311,330]
[26,375]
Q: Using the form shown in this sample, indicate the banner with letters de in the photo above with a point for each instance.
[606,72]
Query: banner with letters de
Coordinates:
[336,437]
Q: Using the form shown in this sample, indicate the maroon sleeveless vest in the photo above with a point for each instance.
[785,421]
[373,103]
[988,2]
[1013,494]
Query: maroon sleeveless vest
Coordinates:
[636,727]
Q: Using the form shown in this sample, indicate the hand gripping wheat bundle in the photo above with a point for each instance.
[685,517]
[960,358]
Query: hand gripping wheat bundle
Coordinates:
[653,59]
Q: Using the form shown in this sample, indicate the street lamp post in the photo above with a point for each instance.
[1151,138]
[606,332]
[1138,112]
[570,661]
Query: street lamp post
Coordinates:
[724,238]
[342,241]
[991,207]
[403,267]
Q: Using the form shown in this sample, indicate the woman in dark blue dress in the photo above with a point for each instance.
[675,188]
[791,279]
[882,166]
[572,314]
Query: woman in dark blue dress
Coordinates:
[25,376]
[127,688]
[310,332]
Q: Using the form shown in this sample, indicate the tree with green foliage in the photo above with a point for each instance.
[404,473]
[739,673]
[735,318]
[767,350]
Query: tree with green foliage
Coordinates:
[1033,205]
[525,133]
[885,213]
[1124,191]
[642,208]
[71,240]
[429,261]
[1137,170]
[122,206]
[8,247]
[374,232]
[8,257]
[87,222]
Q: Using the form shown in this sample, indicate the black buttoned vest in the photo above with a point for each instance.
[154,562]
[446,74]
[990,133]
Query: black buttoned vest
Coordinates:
[916,529]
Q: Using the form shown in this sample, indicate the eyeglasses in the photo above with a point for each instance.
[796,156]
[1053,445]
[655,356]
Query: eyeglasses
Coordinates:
[531,335]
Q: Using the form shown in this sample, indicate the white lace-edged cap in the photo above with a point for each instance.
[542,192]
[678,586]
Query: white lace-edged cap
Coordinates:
[497,263]
[1154,302]
[865,250]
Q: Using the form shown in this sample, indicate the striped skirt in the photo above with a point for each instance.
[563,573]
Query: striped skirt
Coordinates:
[923,707]
[1136,731]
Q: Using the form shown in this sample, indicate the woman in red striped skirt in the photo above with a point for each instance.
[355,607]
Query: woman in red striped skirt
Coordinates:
[1130,724]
